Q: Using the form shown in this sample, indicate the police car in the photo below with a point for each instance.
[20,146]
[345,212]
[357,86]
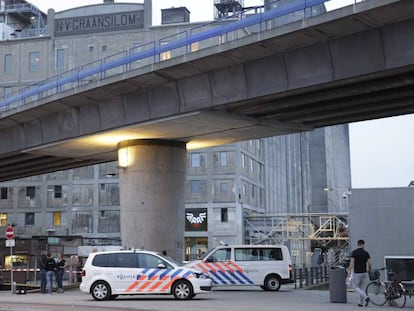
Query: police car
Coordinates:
[267,266]
[107,275]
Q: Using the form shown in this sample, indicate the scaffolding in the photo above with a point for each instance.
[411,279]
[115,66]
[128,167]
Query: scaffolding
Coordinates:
[302,233]
[24,18]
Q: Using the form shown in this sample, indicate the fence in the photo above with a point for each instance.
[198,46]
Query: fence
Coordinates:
[310,276]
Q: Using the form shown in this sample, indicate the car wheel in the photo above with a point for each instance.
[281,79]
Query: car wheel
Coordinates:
[182,290]
[272,283]
[101,291]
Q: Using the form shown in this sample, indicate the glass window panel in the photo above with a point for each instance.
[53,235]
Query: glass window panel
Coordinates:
[8,63]
[34,59]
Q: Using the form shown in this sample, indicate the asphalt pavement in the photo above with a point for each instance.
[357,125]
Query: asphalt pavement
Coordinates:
[228,299]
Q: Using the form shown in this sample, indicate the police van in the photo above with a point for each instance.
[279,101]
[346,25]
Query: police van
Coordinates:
[106,275]
[268,266]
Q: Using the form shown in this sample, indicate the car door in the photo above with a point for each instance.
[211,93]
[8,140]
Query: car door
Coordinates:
[155,275]
[122,271]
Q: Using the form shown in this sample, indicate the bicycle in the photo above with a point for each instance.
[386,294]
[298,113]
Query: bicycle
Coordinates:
[381,292]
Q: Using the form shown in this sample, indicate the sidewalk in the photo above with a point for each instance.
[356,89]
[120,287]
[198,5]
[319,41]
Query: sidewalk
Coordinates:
[247,299]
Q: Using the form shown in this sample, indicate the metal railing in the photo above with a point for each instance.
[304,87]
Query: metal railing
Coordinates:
[310,276]
[153,52]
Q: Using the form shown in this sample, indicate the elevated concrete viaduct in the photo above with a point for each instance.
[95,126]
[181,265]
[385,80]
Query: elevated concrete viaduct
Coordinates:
[353,64]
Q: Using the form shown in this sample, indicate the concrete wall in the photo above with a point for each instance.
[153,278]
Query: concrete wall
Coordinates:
[383,217]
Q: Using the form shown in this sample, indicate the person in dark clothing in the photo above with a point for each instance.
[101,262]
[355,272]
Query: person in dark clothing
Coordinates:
[50,268]
[42,269]
[358,269]
[60,271]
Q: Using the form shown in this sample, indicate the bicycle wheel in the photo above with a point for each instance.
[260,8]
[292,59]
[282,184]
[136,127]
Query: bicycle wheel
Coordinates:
[397,300]
[376,293]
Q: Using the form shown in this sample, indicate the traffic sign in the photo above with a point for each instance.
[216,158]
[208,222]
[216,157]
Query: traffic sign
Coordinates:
[11,243]
[10,233]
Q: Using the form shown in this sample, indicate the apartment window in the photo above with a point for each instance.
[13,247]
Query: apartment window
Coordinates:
[223,158]
[8,63]
[60,59]
[223,188]
[166,55]
[3,219]
[243,160]
[34,59]
[224,214]
[58,192]
[57,218]
[29,219]
[7,91]
[195,47]
[4,193]
[195,160]
[30,192]
[195,187]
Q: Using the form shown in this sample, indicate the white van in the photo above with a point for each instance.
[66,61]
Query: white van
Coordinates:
[268,266]
[106,275]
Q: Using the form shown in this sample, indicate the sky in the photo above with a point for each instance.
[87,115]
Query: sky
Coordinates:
[382,151]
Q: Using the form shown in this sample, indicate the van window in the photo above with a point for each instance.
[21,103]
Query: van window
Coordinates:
[257,254]
[222,254]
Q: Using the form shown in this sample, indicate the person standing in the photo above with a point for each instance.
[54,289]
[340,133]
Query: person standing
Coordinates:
[60,267]
[359,267]
[42,268]
[50,268]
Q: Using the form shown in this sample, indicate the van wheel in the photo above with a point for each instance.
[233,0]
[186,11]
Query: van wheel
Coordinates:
[182,290]
[101,291]
[272,283]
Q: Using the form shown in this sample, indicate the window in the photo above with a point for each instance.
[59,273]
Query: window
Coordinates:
[104,48]
[29,219]
[224,217]
[258,254]
[7,91]
[58,192]
[4,193]
[251,165]
[222,254]
[30,192]
[195,160]
[149,261]
[195,187]
[60,59]
[57,218]
[34,59]
[195,46]
[165,55]
[223,158]
[90,48]
[3,219]
[223,188]
[243,160]
[8,63]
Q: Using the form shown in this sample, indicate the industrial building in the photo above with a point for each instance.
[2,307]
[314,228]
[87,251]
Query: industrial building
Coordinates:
[232,191]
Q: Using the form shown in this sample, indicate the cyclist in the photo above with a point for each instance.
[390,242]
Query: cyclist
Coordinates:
[359,266]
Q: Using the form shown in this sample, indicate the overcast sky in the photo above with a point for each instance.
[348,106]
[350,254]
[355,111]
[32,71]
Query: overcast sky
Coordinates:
[382,151]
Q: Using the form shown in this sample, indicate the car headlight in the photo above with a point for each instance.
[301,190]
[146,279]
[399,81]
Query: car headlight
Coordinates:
[200,275]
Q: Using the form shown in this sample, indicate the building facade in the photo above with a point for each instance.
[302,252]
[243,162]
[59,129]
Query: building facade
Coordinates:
[225,184]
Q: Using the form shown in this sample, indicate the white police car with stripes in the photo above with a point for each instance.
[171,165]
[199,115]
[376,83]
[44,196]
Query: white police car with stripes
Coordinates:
[268,266]
[107,275]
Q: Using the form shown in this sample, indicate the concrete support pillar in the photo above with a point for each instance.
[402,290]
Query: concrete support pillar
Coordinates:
[152,179]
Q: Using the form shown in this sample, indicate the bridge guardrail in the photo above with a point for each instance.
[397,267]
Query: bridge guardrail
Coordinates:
[133,58]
